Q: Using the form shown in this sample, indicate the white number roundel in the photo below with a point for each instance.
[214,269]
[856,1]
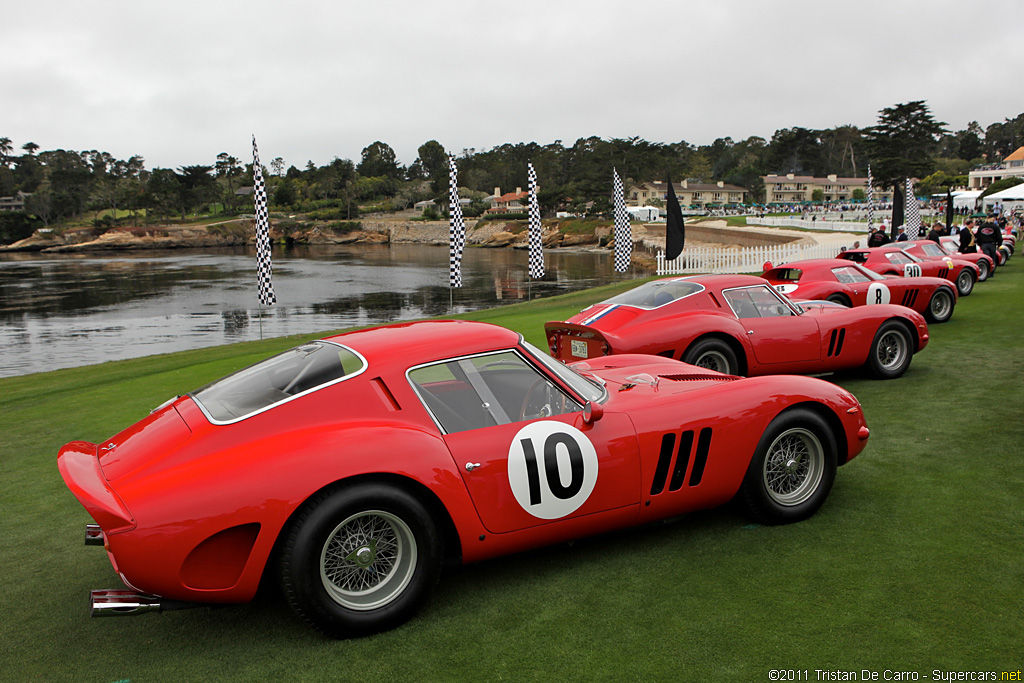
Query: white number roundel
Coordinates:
[911,270]
[552,469]
[878,293]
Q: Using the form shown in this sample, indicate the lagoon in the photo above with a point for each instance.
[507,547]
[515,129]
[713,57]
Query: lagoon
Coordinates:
[66,310]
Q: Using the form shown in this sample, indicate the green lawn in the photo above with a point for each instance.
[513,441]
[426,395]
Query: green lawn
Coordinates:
[915,563]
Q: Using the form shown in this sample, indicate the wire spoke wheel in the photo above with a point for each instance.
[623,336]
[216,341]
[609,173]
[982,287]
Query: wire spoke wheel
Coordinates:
[368,560]
[941,306]
[891,350]
[793,467]
[714,360]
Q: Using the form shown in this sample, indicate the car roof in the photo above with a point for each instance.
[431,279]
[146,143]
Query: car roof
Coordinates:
[407,344]
[816,263]
[720,282]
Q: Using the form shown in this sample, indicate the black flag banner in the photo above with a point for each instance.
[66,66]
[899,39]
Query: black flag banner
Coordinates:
[675,232]
[263,265]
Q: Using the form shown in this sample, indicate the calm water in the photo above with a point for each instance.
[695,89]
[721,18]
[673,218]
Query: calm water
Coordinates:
[63,310]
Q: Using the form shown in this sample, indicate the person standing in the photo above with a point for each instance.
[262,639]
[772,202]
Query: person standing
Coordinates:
[989,239]
[901,236]
[936,232]
[967,244]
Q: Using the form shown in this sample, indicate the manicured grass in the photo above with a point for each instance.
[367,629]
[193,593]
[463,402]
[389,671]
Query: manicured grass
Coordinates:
[915,562]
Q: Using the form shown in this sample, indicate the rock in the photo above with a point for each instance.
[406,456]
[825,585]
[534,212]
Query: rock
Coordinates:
[578,240]
[499,239]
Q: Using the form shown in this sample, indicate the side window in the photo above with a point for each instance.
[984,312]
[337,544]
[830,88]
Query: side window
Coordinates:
[741,303]
[768,305]
[849,276]
[898,257]
[483,391]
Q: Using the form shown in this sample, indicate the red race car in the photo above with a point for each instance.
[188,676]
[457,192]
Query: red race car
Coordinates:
[740,325]
[353,467]
[891,260]
[851,284]
[927,249]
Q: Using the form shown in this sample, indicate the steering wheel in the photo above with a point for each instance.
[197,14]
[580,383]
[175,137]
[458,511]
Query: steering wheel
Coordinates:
[545,409]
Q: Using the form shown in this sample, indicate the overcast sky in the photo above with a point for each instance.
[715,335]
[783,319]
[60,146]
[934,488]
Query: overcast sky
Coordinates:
[178,83]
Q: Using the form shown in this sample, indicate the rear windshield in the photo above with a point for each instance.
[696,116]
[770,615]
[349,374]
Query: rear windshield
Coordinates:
[785,274]
[277,379]
[657,293]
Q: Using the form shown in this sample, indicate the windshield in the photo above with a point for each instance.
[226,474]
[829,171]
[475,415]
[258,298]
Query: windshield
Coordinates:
[278,379]
[656,294]
[589,389]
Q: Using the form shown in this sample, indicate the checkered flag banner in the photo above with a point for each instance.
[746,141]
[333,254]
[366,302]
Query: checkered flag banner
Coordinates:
[456,227]
[535,244]
[871,200]
[623,233]
[913,219]
[263,265]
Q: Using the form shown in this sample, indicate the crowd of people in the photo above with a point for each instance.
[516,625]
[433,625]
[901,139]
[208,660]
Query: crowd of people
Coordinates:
[984,235]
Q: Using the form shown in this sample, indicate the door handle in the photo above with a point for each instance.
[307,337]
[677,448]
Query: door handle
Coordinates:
[750,332]
[470,466]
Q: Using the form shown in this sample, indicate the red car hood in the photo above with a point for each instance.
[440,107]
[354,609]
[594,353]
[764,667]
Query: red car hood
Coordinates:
[622,371]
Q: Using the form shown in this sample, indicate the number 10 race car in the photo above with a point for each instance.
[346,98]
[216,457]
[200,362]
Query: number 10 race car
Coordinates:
[351,468]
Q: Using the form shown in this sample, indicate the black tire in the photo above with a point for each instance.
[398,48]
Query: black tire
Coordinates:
[940,306]
[965,282]
[891,351]
[713,354]
[1004,255]
[793,469]
[359,559]
[983,270]
[839,299]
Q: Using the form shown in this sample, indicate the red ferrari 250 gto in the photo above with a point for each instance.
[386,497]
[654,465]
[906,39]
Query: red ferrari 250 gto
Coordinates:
[351,468]
[740,325]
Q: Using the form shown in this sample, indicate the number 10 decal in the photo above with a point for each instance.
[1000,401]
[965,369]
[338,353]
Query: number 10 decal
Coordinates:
[552,469]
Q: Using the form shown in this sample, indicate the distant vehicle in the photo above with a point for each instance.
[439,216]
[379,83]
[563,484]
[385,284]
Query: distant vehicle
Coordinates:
[927,249]
[740,325]
[891,260]
[851,284]
[351,468]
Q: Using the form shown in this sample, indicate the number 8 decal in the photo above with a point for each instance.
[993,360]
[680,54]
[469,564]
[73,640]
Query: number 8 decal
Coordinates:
[552,469]
[877,293]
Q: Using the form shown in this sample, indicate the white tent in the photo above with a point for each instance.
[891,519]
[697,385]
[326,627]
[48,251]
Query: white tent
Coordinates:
[644,213]
[965,199]
[1010,198]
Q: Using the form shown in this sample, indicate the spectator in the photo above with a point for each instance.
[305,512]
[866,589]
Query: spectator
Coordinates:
[967,244]
[900,235]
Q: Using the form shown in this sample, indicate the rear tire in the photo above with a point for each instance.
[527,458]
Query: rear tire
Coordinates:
[965,282]
[359,559]
[793,469]
[713,354]
[940,307]
[891,351]
[983,270]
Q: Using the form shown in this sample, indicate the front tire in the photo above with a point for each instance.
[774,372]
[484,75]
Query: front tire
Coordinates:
[713,354]
[793,469]
[359,559]
[940,307]
[891,351]
[965,282]
[839,299]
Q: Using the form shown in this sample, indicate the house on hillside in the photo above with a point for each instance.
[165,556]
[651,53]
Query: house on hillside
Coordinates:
[511,202]
[793,189]
[689,193]
[15,203]
[1012,166]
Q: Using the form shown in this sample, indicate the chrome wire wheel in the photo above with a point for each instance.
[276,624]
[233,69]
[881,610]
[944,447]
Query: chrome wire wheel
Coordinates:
[794,466]
[891,350]
[941,306]
[965,282]
[982,270]
[368,560]
[714,360]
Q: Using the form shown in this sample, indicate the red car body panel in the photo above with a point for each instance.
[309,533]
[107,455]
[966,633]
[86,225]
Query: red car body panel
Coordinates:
[191,506]
[927,249]
[804,343]
[820,279]
[891,260]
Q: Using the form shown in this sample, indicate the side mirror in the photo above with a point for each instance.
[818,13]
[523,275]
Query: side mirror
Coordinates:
[592,412]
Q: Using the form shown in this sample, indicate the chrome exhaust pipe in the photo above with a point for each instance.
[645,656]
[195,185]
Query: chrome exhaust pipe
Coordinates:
[121,603]
[128,603]
[93,534]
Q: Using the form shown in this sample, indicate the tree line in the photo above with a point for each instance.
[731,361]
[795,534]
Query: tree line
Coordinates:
[906,141]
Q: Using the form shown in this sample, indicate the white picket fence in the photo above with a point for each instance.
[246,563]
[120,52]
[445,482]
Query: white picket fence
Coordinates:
[741,260]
